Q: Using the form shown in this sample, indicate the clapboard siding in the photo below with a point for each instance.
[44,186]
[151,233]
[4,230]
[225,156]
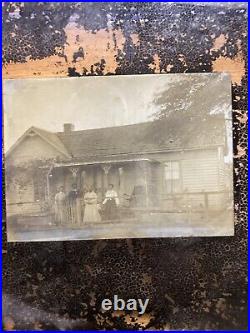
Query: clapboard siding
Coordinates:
[200,174]
[25,208]
[33,148]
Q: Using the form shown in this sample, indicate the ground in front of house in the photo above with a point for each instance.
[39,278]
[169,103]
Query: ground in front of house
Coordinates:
[151,225]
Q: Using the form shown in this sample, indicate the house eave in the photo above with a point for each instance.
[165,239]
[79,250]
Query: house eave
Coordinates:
[108,160]
[79,163]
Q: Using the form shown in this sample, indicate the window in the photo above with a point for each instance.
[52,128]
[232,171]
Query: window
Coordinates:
[172,177]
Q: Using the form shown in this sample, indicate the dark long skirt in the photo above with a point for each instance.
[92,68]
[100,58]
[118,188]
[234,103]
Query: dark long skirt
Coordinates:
[110,210]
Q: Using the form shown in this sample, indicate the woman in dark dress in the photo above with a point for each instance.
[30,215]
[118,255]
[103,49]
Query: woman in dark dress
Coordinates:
[110,204]
[74,205]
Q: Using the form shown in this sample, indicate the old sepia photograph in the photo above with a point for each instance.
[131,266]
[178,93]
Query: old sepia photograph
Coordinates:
[133,156]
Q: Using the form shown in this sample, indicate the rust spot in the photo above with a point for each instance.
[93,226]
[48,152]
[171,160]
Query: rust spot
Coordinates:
[135,319]
[101,320]
[8,324]
[235,67]
[182,59]
[38,326]
[240,152]
[101,45]
[156,64]
[219,42]
[92,299]
[48,67]
[89,270]
[168,67]
[118,314]
[135,38]
[242,117]
[146,278]
[166,327]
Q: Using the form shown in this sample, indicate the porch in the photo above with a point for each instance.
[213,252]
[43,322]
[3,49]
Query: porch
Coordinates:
[139,183]
[135,181]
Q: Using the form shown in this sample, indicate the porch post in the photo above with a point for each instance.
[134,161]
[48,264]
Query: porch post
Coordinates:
[145,169]
[48,175]
[106,168]
[121,180]
[121,189]
[82,179]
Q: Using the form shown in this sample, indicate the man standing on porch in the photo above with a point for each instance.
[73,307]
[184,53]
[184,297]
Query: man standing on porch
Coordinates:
[110,203]
[74,202]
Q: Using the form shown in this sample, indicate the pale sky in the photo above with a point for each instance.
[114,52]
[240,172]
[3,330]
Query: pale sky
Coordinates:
[87,102]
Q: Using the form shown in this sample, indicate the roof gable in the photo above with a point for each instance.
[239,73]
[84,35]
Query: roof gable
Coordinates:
[49,137]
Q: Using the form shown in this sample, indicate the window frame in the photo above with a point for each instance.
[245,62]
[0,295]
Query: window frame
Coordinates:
[172,180]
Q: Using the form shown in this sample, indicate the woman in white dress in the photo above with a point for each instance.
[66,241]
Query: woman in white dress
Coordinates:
[91,212]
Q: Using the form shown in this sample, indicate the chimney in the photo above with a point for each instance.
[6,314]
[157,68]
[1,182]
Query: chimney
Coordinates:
[68,128]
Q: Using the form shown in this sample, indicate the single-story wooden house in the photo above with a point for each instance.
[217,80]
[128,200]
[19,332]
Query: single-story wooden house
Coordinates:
[159,165]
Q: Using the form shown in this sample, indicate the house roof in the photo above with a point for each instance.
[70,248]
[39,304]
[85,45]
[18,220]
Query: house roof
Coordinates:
[145,137]
[127,141]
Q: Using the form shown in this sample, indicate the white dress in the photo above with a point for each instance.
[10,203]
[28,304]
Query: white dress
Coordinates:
[111,194]
[91,213]
[60,211]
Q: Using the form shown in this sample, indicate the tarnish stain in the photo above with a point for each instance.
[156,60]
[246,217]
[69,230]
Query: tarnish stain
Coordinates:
[8,324]
[49,67]
[169,67]
[135,319]
[118,314]
[92,299]
[219,42]
[156,64]
[146,278]
[81,50]
[182,60]
[103,321]
[135,39]
[235,67]
[101,45]
[240,152]
[132,320]
[242,117]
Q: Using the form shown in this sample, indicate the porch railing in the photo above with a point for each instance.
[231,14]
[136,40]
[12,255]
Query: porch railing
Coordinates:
[184,201]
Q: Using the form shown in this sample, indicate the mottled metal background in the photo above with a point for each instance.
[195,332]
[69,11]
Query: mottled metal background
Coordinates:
[192,283]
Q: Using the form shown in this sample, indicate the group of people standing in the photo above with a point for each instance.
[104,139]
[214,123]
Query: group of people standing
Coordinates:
[77,209]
